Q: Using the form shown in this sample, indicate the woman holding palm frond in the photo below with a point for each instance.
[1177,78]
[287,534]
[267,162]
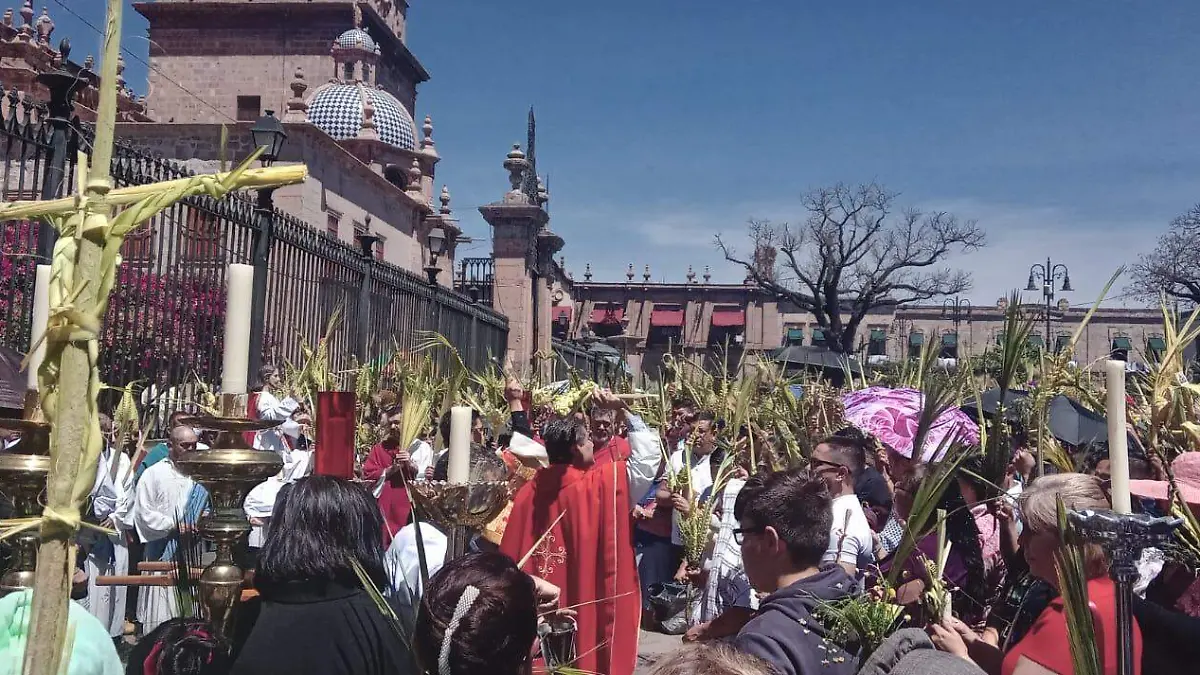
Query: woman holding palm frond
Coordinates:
[1045,647]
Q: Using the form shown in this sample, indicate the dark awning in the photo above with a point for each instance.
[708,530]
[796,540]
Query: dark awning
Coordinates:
[878,334]
[1122,342]
[916,339]
[604,314]
[818,335]
[795,335]
[1035,341]
[563,311]
[950,340]
[1156,344]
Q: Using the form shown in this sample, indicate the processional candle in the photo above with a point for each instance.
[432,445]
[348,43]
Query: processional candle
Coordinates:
[459,468]
[236,362]
[41,316]
[1118,449]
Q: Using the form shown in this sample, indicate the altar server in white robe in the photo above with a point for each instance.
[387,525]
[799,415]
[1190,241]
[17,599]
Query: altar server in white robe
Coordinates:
[269,406]
[108,555]
[260,502]
[166,504]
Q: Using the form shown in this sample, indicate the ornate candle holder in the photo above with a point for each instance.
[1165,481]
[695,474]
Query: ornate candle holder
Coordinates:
[1123,537]
[460,510]
[229,470]
[23,472]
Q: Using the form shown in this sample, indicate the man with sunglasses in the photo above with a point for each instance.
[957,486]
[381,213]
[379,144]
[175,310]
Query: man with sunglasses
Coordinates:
[837,461]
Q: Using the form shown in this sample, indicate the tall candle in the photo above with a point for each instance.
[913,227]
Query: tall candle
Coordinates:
[41,315]
[1118,450]
[459,468]
[236,362]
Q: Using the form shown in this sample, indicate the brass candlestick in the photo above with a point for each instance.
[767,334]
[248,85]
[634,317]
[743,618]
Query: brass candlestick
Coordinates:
[23,472]
[229,470]
[460,510]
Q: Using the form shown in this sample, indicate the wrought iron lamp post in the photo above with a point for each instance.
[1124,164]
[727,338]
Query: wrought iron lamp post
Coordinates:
[437,246]
[362,340]
[63,86]
[1048,276]
[267,133]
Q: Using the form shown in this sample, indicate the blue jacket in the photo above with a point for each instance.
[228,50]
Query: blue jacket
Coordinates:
[787,635]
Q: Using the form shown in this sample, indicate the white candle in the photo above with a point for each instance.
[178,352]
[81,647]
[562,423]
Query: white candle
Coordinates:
[41,316]
[459,468]
[1118,450]
[236,363]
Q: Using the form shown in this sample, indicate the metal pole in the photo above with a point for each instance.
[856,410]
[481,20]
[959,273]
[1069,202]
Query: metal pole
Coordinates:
[363,320]
[261,246]
[61,107]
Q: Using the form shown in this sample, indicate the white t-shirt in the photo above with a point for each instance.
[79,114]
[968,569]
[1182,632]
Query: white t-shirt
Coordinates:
[849,536]
[701,474]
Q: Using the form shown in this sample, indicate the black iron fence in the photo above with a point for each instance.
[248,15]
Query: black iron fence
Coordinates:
[476,277]
[601,367]
[165,318]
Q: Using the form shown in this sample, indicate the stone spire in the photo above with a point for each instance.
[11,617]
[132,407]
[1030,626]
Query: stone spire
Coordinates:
[707,274]
[691,275]
[646,274]
[445,199]
[414,179]
[629,272]
[27,17]
[44,27]
[427,137]
[297,107]
[587,272]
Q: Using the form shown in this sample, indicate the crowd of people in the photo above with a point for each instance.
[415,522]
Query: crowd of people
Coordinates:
[592,539]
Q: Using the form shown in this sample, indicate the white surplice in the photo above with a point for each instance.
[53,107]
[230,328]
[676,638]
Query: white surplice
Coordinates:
[270,407]
[112,500]
[260,502]
[160,501]
[421,454]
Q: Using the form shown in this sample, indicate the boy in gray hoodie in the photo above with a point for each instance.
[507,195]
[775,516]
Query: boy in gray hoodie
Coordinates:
[784,522]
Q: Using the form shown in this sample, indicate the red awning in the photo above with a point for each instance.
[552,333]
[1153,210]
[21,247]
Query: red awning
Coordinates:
[602,314]
[557,312]
[666,317]
[728,317]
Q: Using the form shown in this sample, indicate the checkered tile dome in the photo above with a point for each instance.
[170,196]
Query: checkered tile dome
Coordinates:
[337,109]
[356,37]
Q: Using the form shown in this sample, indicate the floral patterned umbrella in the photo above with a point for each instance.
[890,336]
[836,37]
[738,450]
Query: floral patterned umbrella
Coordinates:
[892,416]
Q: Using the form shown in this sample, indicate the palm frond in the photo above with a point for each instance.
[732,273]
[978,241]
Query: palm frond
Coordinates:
[1072,580]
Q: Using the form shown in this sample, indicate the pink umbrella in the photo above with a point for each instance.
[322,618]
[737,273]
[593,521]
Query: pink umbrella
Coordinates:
[892,416]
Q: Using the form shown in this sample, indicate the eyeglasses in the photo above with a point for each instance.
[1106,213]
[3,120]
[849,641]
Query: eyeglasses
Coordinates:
[739,534]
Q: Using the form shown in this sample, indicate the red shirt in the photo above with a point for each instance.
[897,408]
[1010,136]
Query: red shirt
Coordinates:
[1047,644]
[393,499]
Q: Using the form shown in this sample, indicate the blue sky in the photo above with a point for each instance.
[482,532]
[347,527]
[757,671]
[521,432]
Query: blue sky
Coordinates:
[1066,128]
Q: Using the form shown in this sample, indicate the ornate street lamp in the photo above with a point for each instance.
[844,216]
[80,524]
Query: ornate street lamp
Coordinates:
[437,246]
[268,133]
[1048,275]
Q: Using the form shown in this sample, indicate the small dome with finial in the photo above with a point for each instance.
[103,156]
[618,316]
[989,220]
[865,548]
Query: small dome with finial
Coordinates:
[356,38]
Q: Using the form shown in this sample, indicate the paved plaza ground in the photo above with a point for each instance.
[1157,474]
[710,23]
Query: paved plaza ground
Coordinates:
[652,647]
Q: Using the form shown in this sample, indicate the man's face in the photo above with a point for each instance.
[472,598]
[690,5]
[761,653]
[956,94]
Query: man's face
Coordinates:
[395,425]
[477,431]
[758,545]
[602,427]
[705,434]
[183,440]
[274,379]
[586,452]
[826,465]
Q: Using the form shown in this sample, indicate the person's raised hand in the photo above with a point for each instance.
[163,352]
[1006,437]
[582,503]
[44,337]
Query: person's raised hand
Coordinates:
[513,390]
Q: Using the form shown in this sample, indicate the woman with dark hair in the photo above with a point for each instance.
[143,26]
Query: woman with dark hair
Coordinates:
[479,615]
[314,614]
[180,647]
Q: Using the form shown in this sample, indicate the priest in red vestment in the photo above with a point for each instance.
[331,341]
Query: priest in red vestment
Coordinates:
[583,509]
[609,447]
[386,469]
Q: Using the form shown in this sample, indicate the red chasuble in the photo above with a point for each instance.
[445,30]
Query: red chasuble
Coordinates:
[393,500]
[615,450]
[588,554]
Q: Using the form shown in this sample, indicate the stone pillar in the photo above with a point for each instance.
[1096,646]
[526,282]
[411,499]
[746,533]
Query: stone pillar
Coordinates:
[516,225]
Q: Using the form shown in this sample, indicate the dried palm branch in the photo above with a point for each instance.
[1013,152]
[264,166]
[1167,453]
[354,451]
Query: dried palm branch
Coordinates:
[1072,580]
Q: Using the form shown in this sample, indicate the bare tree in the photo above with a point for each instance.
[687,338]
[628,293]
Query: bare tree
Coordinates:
[852,254]
[1173,267]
